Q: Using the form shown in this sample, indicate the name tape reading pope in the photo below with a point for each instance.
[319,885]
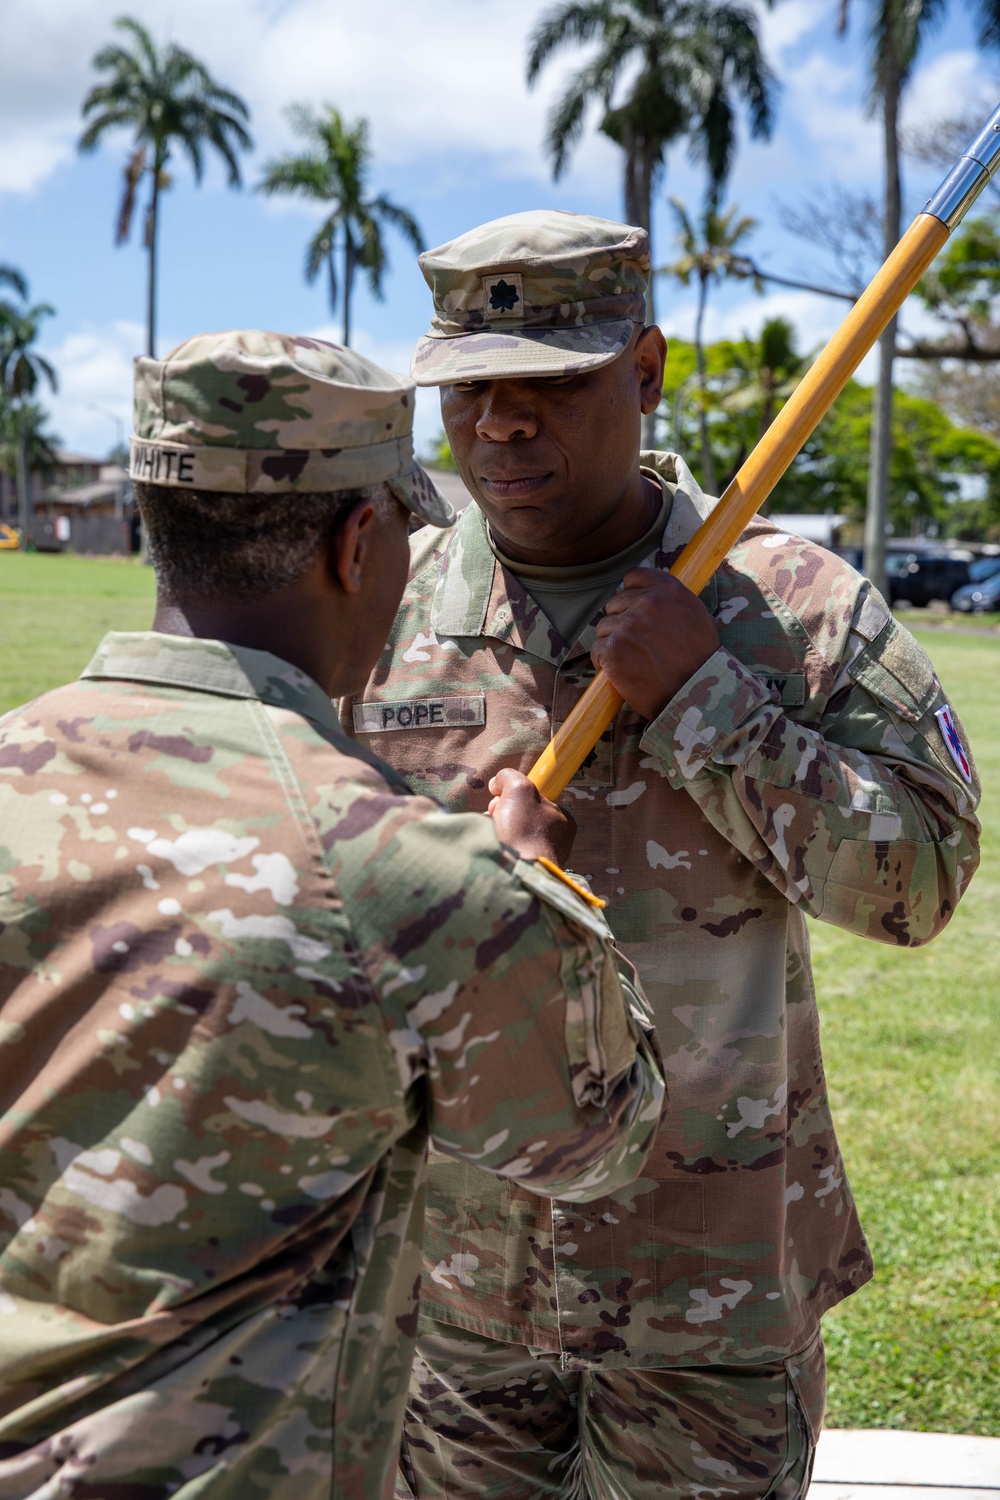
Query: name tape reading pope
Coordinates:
[420,713]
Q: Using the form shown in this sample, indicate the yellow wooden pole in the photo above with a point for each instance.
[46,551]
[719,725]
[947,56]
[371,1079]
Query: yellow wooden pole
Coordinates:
[805,408]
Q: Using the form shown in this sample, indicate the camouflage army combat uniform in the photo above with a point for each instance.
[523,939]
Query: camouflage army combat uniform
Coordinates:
[810,766]
[244,975]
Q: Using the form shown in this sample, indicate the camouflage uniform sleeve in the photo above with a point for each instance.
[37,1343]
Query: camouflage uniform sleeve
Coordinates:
[867,820]
[504,1004]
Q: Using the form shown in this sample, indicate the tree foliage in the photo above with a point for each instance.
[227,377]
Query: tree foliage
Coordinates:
[708,254]
[930,452]
[333,170]
[168,101]
[664,71]
[22,371]
[40,442]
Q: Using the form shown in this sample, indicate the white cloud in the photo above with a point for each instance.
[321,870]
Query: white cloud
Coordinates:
[948,87]
[428,111]
[26,160]
[786,27]
[95,378]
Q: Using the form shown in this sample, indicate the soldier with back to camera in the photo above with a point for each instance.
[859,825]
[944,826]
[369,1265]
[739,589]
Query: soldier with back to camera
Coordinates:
[244,974]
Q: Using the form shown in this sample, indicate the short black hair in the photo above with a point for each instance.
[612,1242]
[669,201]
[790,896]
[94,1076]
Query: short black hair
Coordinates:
[238,547]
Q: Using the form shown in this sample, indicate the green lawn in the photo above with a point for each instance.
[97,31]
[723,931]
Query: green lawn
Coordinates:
[910,1040]
[55,608]
[911,1045]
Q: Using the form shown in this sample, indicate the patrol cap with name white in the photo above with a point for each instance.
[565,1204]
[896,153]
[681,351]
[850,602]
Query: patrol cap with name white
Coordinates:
[250,412]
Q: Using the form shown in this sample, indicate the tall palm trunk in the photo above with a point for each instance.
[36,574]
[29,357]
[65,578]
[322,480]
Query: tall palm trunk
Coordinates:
[707,462]
[880,450]
[349,260]
[154,207]
[640,163]
[23,492]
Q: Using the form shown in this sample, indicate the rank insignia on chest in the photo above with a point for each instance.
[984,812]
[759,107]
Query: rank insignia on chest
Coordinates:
[951,737]
[455,712]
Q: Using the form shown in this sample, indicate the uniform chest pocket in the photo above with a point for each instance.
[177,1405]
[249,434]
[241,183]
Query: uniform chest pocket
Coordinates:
[597,774]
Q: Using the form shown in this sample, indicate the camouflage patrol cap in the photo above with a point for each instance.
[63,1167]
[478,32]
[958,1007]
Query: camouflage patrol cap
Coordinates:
[540,293]
[259,413]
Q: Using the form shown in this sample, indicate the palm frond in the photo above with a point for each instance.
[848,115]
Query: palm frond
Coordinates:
[371,254]
[563,128]
[302,176]
[142,39]
[578,21]
[12,277]
[191,142]
[987,17]
[317,250]
[400,218]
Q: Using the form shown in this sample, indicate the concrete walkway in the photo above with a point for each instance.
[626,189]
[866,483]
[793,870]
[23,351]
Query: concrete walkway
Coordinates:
[886,1465]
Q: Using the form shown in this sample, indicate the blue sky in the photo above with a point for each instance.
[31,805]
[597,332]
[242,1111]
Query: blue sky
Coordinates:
[457,139]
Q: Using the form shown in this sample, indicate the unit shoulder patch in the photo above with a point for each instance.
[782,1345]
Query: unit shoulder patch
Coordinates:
[952,739]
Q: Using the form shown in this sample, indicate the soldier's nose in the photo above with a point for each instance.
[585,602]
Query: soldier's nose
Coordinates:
[504,415]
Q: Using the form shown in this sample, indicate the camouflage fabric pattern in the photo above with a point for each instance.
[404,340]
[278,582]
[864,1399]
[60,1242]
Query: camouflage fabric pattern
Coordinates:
[505,1422]
[800,770]
[537,293]
[244,974]
[248,412]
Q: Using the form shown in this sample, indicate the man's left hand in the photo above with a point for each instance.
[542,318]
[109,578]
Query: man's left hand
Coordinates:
[654,635]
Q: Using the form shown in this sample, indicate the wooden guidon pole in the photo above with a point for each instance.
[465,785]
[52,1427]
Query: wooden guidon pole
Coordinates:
[805,408]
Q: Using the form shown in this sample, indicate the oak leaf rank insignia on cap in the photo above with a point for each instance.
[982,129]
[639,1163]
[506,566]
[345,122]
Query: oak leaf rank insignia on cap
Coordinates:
[504,294]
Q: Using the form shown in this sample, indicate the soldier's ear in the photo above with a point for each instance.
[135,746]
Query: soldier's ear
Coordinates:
[650,355]
[350,547]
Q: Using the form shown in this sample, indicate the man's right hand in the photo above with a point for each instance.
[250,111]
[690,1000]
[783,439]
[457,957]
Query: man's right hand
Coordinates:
[527,821]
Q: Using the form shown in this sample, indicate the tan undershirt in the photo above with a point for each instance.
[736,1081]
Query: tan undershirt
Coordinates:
[571,596]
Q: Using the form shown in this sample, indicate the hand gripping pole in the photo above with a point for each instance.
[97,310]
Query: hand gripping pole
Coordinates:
[801,414]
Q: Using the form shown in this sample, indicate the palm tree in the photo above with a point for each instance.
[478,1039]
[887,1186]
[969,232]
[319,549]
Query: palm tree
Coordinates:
[22,369]
[15,279]
[685,66]
[167,99]
[333,171]
[896,32]
[708,254]
[39,443]
[769,368]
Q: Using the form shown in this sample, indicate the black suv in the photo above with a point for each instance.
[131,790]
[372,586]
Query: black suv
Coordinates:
[918,577]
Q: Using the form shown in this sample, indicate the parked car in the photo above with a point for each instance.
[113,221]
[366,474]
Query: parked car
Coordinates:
[918,577]
[983,568]
[978,596]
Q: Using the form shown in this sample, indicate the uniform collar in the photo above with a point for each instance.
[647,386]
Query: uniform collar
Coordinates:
[210,667]
[477,596]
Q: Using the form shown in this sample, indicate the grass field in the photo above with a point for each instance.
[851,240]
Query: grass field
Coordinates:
[54,610]
[910,1039]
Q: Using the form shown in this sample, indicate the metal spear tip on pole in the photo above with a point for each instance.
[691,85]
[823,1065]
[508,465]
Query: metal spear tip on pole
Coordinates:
[973,171]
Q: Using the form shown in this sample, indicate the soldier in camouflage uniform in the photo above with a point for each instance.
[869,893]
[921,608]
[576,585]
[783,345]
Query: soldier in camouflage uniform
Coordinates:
[244,974]
[786,749]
